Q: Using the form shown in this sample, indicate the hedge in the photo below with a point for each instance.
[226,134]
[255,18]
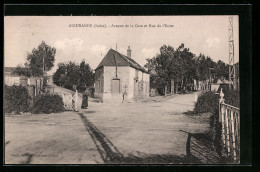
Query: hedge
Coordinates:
[208,102]
[16,99]
[47,103]
[232,97]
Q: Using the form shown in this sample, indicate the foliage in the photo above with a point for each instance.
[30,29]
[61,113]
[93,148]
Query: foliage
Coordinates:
[16,99]
[22,71]
[232,97]
[47,103]
[69,74]
[42,57]
[222,69]
[182,65]
[207,102]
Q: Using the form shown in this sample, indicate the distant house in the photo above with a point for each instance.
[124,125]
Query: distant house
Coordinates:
[11,79]
[8,71]
[49,80]
[35,82]
[119,77]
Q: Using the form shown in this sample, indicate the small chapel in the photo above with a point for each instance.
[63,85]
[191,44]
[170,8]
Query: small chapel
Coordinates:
[119,78]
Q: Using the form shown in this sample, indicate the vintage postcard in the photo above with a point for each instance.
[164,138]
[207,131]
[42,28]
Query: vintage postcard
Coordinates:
[121,89]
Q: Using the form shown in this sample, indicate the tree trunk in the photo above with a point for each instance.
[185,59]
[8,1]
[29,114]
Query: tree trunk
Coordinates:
[165,90]
[172,86]
[181,81]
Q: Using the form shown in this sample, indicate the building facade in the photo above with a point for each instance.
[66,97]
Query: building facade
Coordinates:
[119,78]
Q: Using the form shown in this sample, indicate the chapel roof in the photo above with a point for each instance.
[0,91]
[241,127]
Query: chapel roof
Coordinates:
[114,58]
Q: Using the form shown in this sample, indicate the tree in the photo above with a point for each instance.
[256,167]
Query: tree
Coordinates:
[41,59]
[222,70]
[87,75]
[69,74]
[22,71]
[204,66]
[182,65]
[171,64]
[185,65]
[59,75]
[162,68]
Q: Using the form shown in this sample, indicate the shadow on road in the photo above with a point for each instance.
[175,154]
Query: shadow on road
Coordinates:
[202,146]
[110,154]
[105,147]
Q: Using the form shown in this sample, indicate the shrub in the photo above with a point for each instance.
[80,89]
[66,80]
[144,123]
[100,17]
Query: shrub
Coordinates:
[207,102]
[232,97]
[47,103]
[16,99]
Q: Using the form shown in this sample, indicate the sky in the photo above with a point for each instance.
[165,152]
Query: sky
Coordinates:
[201,34]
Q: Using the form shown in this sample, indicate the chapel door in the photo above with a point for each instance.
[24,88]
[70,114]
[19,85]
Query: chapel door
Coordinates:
[115,86]
[116,97]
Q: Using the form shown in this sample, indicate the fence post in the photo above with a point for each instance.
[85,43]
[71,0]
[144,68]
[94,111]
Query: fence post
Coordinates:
[76,101]
[233,136]
[227,130]
[63,99]
[222,117]
[196,97]
[221,100]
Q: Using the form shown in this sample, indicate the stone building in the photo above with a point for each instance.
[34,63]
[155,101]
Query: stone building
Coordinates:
[119,78]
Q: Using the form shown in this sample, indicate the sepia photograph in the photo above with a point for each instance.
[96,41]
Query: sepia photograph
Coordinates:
[121,89]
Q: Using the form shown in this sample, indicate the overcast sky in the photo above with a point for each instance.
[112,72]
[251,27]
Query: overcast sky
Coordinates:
[201,34]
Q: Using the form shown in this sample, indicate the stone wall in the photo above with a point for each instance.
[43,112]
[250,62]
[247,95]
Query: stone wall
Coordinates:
[109,75]
[9,80]
[139,83]
[127,78]
[131,83]
[99,83]
[146,79]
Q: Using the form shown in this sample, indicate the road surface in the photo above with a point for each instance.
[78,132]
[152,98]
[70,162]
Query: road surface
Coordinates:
[140,132]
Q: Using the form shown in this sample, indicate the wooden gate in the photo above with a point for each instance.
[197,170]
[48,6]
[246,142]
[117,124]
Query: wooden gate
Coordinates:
[229,116]
[70,101]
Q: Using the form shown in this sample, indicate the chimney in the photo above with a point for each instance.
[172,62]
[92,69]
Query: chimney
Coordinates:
[129,52]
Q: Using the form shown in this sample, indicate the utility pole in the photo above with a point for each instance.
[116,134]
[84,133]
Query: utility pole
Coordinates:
[210,77]
[42,66]
[43,61]
[231,52]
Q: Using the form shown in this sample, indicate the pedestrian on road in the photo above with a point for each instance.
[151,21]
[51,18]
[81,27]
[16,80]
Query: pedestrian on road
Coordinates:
[124,95]
[85,100]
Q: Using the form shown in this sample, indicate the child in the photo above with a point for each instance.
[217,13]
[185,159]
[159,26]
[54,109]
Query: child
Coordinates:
[85,100]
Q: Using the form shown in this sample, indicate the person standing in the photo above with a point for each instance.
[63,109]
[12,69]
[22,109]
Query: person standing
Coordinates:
[84,104]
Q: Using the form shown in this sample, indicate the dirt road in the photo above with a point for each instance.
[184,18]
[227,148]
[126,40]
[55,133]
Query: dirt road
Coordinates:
[106,133]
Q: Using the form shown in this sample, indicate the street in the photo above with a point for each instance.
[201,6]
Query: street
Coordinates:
[138,132]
